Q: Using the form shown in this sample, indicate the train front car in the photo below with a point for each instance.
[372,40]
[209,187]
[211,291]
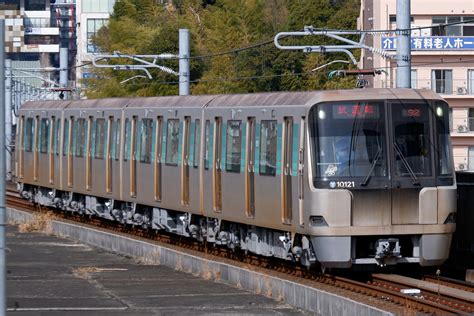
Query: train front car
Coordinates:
[381,179]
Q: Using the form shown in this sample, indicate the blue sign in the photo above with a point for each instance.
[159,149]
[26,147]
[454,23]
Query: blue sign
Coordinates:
[432,43]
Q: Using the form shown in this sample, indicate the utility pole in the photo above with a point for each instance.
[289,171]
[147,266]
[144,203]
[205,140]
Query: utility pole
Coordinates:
[8,116]
[403,44]
[2,172]
[183,62]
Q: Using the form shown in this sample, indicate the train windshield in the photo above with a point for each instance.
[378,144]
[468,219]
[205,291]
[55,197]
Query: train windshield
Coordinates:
[411,143]
[349,140]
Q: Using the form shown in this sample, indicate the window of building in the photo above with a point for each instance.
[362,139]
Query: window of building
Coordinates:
[93,26]
[234,144]
[172,142]
[36,22]
[414,78]
[99,143]
[146,139]
[471,119]
[35,5]
[268,147]
[98,6]
[197,143]
[442,81]
[80,137]
[10,5]
[470,162]
[465,28]
[470,81]
[44,135]
[29,134]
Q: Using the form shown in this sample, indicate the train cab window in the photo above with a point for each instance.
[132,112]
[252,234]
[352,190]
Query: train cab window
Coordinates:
[116,139]
[126,148]
[57,129]
[268,147]
[234,145]
[197,143]
[80,137]
[412,143]
[44,135]
[146,140]
[207,140]
[29,134]
[99,141]
[66,136]
[172,142]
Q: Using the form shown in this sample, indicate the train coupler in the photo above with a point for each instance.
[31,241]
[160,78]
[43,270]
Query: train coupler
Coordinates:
[387,250]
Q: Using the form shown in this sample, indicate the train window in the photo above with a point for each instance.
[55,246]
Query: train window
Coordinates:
[57,129]
[126,148]
[172,142]
[66,136]
[116,139]
[412,141]
[444,153]
[233,146]
[80,137]
[197,143]
[207,144]
[99,141]
[29,132]
[44,135]
[268,147]
[146,140]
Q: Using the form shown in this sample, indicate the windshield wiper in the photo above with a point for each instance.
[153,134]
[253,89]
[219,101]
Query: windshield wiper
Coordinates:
[406,164]
[372,167]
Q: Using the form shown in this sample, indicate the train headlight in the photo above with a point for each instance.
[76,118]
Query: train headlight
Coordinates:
[439,111]
[321,115]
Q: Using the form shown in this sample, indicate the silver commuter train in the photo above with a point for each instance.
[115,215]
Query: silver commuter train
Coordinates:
[337,177]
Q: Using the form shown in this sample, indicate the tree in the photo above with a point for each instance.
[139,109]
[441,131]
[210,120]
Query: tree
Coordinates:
[218,30]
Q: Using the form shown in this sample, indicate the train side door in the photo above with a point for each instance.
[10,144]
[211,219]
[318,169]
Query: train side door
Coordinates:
[185,161]
[250,169]
[133,155]
[158,158]
[286,185]
[216,166]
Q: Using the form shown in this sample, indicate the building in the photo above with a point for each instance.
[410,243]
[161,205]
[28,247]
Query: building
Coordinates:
[35,31]
[91,16]
[442,59]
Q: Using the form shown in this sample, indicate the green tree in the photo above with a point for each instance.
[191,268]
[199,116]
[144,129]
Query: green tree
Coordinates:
[217,28]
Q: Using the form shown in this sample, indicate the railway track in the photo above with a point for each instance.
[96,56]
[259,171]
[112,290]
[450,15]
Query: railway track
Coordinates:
[383,293]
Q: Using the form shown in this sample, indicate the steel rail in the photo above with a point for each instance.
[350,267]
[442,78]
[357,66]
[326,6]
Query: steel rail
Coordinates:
[393,300]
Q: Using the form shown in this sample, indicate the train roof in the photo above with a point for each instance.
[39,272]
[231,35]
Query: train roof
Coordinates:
[302,99]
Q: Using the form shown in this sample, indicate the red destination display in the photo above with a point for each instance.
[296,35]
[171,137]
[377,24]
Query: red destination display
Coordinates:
[348,111]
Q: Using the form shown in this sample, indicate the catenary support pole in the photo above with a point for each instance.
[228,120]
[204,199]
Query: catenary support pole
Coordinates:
[403,44]
[8,116]
[183,62]
[2,172]
[63,66]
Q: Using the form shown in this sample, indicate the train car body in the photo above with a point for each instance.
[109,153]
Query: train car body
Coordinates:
[336,177]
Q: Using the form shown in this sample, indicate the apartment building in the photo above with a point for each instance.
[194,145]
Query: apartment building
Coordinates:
[91,16]
[442,59]
[36,29]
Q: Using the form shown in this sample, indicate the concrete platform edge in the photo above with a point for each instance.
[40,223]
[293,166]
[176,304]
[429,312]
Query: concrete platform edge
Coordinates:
[298,295]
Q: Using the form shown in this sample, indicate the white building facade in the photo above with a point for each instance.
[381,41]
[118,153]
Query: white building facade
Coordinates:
[91,16]
[442,59]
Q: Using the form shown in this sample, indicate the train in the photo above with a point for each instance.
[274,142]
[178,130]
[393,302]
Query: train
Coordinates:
[334,178]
